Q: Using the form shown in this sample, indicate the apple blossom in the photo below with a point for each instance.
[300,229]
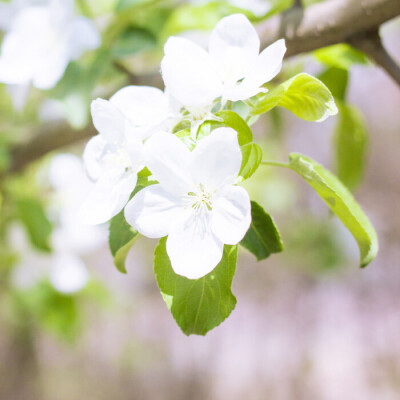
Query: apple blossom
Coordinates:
[41,41]
[112,160]
[196,202]
[232,68]
[147,108]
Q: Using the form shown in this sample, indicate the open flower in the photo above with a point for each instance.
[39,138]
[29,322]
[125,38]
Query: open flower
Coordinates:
[232,68]
[196,202]
[41,41]
[114,157]
[112,160]
[147,108]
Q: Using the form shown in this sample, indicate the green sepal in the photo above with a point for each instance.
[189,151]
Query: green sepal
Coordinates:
[263,238]
[197,305]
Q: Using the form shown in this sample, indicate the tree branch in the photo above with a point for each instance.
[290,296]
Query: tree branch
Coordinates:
[323,24]
[51,137]
[370,43]
[327,23]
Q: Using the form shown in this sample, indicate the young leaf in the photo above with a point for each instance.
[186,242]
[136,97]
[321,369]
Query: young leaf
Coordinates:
[251,158]
[303,95]
[133,40]
[350,141]
[341,202]
[37,225]
[197,305]
[336,79]
[121,238]
[341,56]
[234,121]
[262,239]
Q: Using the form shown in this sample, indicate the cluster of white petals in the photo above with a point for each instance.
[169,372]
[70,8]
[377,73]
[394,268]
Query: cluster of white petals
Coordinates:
[114,157]
[195,200]
[233,67]
[42,38]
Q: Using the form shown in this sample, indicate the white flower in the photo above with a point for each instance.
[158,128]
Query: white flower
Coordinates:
[41,41]
[196,202]
[147,108]
[112,160]
[114,157]
[232,68]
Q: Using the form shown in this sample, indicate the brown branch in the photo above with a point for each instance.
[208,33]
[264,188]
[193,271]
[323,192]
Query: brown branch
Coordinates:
[370,43]
[327,23]
[323,24]
[52,137]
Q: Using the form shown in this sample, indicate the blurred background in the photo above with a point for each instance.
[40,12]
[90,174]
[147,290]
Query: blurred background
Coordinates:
[309,324]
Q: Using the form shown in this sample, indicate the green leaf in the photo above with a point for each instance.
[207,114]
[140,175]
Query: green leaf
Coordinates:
[126,4]
[341,56]
[121,238]
[33,216]
[133,40]
[341,202]
[262,239]
[336,79]
[197,305]
[303,95]
[230,119]
[234,121]
[350,139]
[251,159]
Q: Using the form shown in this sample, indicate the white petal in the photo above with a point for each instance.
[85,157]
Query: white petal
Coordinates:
[217,159]
[241,92]
[145,106]
[69,273]
[82,36]
[7,12]
[51,69]
[94,151]
[168,159]
[231,214]
[107,198]
[189,73]
[234,45]
[193,252]
[108,120]
[153,211]
[267,66]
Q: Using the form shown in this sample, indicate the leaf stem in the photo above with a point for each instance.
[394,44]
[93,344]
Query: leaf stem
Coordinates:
[275,163]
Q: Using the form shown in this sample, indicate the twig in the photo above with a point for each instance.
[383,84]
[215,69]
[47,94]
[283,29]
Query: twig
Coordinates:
[329,22]
[370,43]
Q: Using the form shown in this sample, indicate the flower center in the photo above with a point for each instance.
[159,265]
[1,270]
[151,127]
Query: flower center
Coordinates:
[200,200]
[120,160]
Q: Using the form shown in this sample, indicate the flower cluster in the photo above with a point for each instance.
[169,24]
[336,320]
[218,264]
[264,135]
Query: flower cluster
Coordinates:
[194,200]
[42,37]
